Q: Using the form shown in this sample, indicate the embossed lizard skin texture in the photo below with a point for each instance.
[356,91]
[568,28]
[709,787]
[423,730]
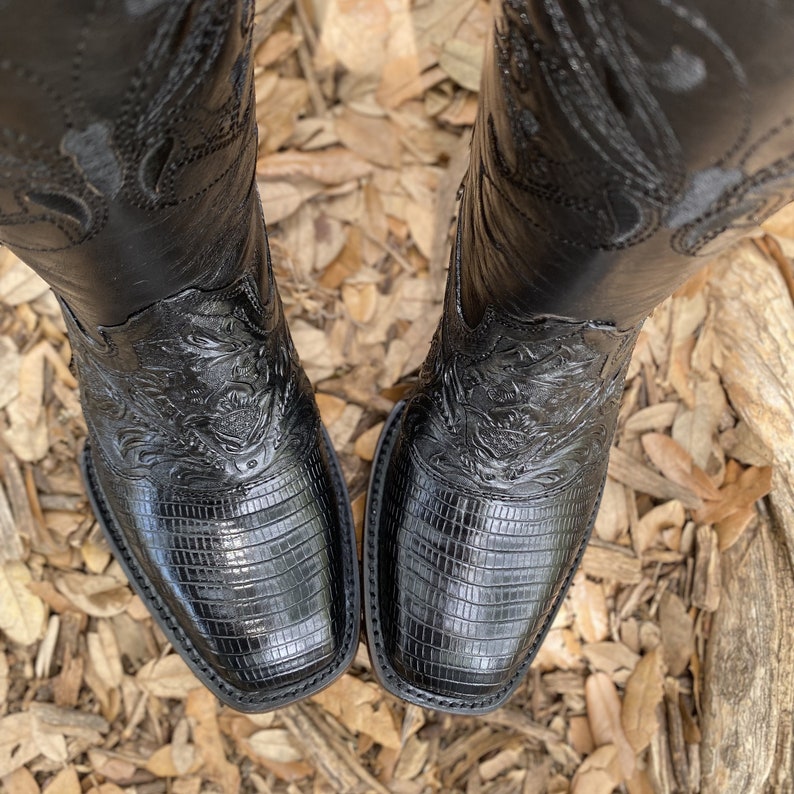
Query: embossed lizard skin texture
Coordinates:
[616,145]
[207,455]
[484,492]
[127,155]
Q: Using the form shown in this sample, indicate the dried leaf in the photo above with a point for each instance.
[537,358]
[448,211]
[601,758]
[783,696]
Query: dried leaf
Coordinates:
[612,520]
[353,702]
[3,677]
[167,678]
[677,633]
[677,465]
[361,301]
[588,604]
[275,744]
[599,773]
[280,199]
[103,650]
[374,139]
[367,442]
[202,707]
[648,529]
[17,745]
[644,692]
[753,484]
[22,614]
[97,596]
[21,781]
[462,61]
[560,650]
[603,713]
[10,362]
[333,166]
[161,762]
[610,656]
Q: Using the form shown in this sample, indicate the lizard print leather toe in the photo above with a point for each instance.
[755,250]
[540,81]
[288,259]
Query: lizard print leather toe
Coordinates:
[483,496]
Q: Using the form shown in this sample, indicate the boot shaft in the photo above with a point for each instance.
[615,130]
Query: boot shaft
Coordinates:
[128,148]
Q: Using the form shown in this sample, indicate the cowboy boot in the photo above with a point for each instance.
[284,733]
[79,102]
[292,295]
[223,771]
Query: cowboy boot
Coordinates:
[127,156]
[617,144]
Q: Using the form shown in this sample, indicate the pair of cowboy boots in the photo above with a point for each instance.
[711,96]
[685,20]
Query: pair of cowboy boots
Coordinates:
[616,144]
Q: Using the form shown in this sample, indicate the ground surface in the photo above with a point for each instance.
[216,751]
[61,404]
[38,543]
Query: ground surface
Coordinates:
[364,119]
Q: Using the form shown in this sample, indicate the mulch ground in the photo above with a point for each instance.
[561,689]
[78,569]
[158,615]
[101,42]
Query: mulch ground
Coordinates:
[364,117]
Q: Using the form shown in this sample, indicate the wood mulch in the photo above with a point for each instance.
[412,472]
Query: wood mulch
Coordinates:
[364,112]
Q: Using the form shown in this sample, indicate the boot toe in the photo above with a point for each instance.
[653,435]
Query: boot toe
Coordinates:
[466,582]
[250,586]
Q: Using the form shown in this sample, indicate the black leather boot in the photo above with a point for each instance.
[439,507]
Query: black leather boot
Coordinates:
[127,155]
[617,144]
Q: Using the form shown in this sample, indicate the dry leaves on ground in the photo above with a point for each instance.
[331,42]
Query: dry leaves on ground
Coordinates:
[364,111]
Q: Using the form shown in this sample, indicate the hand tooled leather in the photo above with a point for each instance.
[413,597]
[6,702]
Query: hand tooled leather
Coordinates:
[616,143]
[483,495]
[216,487]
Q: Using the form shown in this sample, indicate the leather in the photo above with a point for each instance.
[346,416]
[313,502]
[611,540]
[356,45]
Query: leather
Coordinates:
[484,491]
[124,127]
[617,144]
[127,156]
[216,486]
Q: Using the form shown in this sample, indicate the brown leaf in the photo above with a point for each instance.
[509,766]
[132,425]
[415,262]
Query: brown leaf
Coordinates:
[753,484]
[610,657]
[603,713]
[367,442]
[275,744]
[167,678]
[462,61]
[648,529]
[677,465]
[560,650]
[333,166]
[374,139]
[21,781]
[628,470]
[161,763]
[22,614]
[17,745]
[202,707]
[588,604]
[599,773]
[97,596]
[677,633]
[353,702]
[644,692]
[280,198]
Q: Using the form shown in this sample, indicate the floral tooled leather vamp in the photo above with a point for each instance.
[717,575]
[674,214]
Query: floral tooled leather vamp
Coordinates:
[219,493]
[484,492]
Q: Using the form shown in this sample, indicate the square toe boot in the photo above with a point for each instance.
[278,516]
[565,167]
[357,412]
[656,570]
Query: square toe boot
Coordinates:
[127,157]
[616,145]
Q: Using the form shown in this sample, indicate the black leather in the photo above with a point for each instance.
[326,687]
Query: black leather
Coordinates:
[617,144]
[127,154]
[216,486]
[484,491]
[127,147]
